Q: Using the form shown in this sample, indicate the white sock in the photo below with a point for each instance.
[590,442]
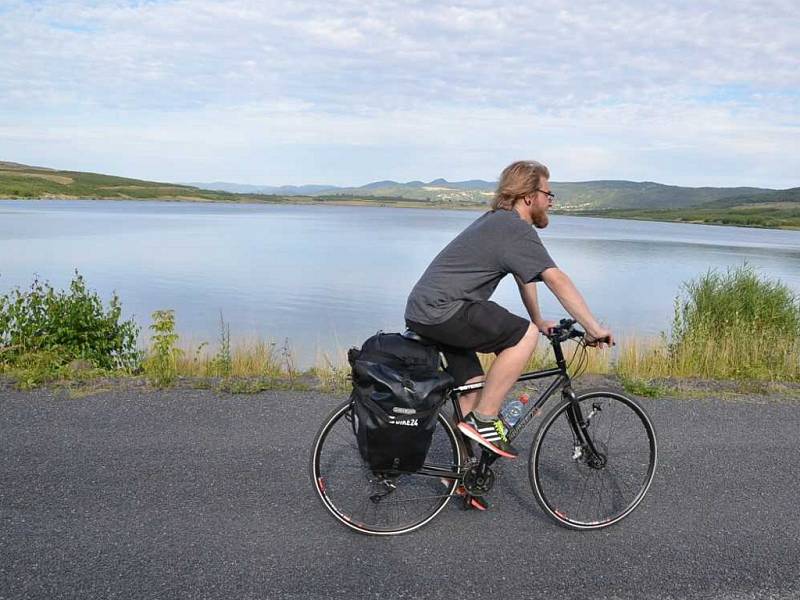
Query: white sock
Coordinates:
[483,417]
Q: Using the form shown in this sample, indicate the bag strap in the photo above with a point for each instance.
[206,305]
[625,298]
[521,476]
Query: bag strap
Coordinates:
[394,358]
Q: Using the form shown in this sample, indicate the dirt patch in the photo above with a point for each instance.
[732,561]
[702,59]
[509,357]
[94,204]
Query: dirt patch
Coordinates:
[62,179]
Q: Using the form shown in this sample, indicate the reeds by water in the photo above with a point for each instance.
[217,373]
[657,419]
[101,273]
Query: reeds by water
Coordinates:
[635,358]
[732,325]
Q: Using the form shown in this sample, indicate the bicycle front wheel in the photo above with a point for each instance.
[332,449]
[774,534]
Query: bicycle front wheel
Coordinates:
[376,503]
[582,489]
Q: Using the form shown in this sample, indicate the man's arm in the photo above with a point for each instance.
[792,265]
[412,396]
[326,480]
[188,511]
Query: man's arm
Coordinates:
[570,298]
[531,301]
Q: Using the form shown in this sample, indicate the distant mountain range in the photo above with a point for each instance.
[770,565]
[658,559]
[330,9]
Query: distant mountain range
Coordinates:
[410,189]
[573,196]
[621,199]
[281,190]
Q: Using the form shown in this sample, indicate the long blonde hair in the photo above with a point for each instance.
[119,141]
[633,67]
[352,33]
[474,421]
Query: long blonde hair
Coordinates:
[519,179]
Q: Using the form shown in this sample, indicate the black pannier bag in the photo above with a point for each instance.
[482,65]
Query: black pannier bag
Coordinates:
[398,391]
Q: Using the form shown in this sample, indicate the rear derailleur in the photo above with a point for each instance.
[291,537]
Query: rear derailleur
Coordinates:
[385,484]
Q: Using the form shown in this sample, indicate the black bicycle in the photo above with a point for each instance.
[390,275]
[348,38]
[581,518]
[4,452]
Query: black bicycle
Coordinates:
[591,462]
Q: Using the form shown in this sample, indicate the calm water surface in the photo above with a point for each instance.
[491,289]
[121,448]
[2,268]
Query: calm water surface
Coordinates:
[325,277]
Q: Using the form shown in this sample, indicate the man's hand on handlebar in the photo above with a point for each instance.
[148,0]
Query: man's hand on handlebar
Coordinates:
[546,327]
[600,338]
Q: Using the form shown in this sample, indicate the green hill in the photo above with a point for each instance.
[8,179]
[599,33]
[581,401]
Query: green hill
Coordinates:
[22,181]
[773,198]
[643,195]
[573,196]
[776,209]
[757,207]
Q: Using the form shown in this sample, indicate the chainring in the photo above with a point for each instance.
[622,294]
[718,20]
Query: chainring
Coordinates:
[476,484]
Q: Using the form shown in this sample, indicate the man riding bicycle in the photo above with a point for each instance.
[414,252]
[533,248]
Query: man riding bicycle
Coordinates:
[450,302]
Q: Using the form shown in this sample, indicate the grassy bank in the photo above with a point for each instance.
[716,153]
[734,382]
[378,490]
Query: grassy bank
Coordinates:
[644,366]
[763,216]
[726,326]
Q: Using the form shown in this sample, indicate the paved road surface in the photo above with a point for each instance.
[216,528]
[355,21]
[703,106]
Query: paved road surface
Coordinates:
[192,494]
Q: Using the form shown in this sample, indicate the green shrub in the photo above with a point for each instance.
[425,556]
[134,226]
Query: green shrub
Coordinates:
[161,363]
[736,324]
[66,324]
[35,368]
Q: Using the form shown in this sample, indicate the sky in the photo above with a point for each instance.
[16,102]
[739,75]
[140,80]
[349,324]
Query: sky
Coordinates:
[347,92]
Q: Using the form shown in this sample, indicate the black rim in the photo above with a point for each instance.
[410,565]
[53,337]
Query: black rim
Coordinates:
[379,503]
[587,490]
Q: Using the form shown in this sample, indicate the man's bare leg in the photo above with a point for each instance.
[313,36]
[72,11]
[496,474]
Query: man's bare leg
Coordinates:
[503,373]
[470,400]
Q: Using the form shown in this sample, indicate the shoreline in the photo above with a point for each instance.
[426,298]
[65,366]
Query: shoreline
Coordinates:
[391,203]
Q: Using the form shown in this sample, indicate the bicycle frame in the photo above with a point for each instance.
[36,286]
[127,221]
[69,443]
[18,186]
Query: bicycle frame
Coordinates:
[562,380]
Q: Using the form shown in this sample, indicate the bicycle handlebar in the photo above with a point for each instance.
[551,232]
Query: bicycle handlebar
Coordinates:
[566,330]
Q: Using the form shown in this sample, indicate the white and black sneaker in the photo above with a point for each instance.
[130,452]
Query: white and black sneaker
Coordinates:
[491,434]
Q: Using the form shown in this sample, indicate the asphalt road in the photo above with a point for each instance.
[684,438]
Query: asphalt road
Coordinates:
[192,494]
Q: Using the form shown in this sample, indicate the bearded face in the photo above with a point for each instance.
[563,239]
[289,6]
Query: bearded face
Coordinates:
[533,207]
[539,215]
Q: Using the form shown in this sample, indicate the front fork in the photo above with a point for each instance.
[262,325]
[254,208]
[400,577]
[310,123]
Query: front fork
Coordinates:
[580,426]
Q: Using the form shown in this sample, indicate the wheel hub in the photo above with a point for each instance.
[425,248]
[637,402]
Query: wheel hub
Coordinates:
[596,461]
[585,458]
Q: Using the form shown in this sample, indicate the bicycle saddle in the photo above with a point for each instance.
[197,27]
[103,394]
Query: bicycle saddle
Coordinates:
[410,334]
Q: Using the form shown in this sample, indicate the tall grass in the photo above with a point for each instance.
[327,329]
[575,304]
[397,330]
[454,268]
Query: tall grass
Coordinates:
[595,361]
[731,325]
[246,358]
[736,325]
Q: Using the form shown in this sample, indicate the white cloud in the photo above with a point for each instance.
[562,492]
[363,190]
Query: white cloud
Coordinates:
[622,89]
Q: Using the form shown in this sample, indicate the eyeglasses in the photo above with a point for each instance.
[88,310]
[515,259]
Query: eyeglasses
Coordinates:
[551,196]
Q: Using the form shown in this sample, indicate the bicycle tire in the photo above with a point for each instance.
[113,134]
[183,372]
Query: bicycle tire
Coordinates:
[345,483]
[578,494]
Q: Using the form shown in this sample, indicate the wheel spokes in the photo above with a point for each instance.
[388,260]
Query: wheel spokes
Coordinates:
[373,503]
[596,489]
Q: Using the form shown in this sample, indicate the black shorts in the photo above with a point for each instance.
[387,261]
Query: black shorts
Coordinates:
[478,326]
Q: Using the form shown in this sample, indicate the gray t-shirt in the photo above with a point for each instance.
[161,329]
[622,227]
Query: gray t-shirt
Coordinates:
[470,267]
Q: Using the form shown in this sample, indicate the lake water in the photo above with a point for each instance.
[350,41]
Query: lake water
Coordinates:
[326,277]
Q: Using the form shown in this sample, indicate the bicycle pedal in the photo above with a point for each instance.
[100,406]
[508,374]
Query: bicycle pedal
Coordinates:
[475,503]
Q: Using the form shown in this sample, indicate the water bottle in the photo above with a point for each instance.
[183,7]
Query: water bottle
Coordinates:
[513,410]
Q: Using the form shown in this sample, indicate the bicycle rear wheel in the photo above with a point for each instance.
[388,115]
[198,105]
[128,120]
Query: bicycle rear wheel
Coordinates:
[583,490]
[380,504]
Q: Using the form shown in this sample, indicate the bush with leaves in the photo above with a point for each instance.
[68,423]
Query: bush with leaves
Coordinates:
[68,324]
